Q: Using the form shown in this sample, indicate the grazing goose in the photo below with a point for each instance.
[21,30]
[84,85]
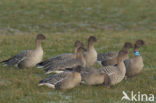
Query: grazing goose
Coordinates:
[61,57]
[91,76]
[28,58]
[91,54]
[116,73]
[110,58]
[64,80]
[135,65]
[67,64]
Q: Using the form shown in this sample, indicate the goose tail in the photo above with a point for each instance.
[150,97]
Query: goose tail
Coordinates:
[47,84]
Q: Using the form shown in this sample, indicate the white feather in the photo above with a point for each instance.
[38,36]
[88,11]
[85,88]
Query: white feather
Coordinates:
[47,84]
[57,72]
[99,62]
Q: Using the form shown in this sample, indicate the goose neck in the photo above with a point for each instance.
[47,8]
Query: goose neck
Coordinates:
[90,46]
[80,57]
[38,44]
[75,50]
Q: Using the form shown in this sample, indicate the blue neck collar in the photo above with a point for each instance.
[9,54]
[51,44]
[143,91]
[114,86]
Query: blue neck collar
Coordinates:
[136,53]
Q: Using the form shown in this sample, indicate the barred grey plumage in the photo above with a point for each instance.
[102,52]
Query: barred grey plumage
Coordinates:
[67,63]
[18,58]
[63,65]
[54,60]
[106,56]
[116,73]
[110,58]
[60,58]
[65,80]
[27,58]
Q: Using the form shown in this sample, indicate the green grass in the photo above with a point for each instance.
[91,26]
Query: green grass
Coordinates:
[24,16]
[113,22]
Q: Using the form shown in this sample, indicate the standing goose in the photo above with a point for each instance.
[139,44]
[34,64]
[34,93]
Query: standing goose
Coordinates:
[135,65]
[91,76]
[28,58]
[67,63]
[61,57]
[64,80]
[116,73]
[110,58]
[91,54]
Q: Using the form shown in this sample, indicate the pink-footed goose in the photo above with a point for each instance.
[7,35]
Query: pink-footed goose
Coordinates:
[91,55]
[28,58]
[64,80]
[135,65]
[67,64]
[91,76]
[62,57]
[110,58]
[116,73]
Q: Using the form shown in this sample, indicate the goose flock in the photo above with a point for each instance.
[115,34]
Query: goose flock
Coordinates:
[71,69]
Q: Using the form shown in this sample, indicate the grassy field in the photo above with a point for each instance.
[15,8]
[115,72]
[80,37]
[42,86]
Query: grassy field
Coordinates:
[113,22]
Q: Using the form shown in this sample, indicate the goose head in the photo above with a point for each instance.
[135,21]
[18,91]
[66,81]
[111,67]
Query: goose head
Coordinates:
[78,44]
[40,37]
[91,40]
[79,56]
[80,51]
[122,55]
[138,44]
[126,47]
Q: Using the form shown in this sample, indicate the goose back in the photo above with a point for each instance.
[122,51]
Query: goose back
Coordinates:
[91,76]
[115,73]
[54,60]
[65,80]
[63,65]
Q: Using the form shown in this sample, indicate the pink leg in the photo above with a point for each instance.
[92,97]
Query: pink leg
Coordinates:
[125,77]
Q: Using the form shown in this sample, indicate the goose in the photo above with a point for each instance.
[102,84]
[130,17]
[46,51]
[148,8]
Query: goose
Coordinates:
[135,65]
[61,57]
[110,58]
[27,58]
[116,73]
[65,80]
[67,64]
[91,76]
[91,55]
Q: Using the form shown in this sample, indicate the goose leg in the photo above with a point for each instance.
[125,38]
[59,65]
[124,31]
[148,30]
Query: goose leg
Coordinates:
[107,81]
[125,77]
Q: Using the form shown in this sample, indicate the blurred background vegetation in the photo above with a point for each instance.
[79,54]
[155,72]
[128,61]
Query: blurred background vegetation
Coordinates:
[27,16]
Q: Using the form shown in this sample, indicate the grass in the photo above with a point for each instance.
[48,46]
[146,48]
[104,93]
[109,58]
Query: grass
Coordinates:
[112,22]
[48,16]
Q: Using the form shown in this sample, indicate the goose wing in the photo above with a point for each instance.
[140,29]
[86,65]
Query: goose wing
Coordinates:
[63,65]
[87,73]
[109,70]
[54,79]
[56,59]
[18,58]
[106,56]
